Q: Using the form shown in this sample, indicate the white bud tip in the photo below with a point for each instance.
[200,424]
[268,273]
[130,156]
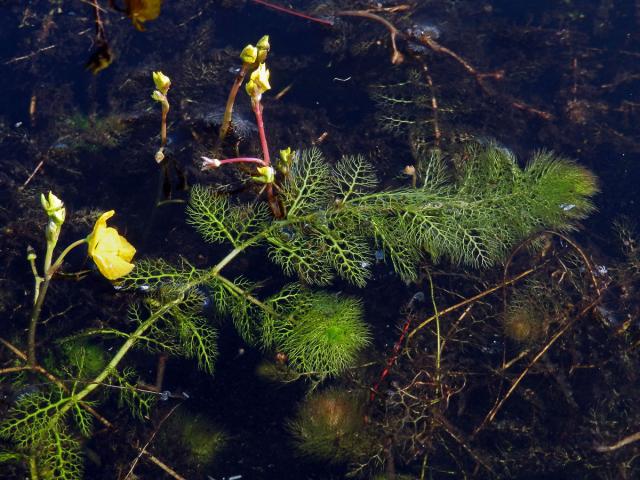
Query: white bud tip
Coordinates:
[210,163]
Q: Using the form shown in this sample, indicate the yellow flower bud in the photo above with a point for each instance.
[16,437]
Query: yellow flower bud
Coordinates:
[110,251]
[162,82]
[158,96]
[267,175]
[249,54]
[286,155]
[54,208]
[263,48]
[263,43]
[286,159]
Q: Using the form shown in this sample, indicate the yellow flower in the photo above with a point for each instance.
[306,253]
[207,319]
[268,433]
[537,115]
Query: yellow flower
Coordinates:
[258,82]
[111,252]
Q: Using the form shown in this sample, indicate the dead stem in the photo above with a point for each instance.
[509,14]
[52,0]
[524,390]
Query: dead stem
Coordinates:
[492,413]
[143,450]
[458,437]
[619,444]
[475,298]
[396,56]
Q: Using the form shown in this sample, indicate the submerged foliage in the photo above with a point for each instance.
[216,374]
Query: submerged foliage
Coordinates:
[472,215]
[330,426]
[318,331]
[335,218]
[37,427]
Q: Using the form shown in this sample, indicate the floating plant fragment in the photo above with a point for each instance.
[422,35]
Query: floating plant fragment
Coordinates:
[140,11]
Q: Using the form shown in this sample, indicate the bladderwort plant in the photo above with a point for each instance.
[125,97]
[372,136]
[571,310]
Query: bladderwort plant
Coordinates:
[38,424]
[322,221]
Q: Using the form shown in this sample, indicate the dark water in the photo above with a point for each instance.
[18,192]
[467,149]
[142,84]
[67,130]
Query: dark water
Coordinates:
[570,83]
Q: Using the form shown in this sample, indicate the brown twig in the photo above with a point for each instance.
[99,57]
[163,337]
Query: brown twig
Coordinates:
[475,298]
[143,450]
[458,437]
[396,56]
[33,173]
[4,371]
[619,444]
[492,413]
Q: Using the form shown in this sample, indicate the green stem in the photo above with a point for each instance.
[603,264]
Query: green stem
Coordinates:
[437,318]
[33,467]
[124,349]
[42,285]
[148,323]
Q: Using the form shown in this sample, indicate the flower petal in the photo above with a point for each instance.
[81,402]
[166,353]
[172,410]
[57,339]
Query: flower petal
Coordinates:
[98,230]
[112,267]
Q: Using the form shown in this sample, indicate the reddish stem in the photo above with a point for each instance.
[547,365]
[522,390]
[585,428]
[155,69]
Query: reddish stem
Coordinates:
[257,109]
[391,360]
[271,198]
[293,12]
[210,164]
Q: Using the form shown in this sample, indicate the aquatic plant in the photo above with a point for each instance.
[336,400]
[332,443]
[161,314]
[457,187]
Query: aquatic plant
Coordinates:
[334,218]
[195,433]
[323,221]
[252,57]
[525,321]
[330,426]
[319,332]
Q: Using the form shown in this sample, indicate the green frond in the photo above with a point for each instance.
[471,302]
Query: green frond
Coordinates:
[475,220]
[218,221]
[282,307]
[431,168]
[36,426]
[308,187]
[198,340]
[83,419]
[404,258]
[64,461]
[321,333]
[138,402]
[301,255]
[183,331]
[151,274]
[11,457]
[244,314]
[348,253]
[560,189]
[352,176]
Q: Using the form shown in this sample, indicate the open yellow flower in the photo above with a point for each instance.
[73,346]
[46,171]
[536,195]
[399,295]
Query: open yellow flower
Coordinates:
[111,252]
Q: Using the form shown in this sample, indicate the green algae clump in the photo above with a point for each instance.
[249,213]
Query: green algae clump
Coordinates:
[330,426]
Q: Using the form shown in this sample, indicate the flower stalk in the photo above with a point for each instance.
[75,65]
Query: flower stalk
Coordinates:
[252,57]
[162,84]
[110,251]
